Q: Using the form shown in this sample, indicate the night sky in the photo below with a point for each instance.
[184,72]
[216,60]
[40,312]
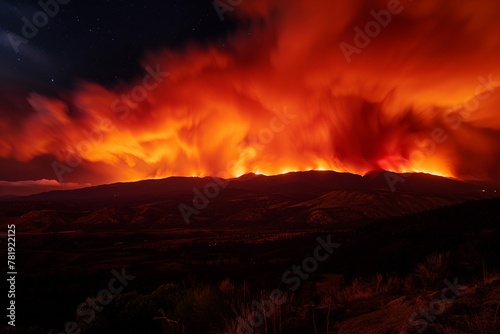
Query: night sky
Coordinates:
[99,41]
[99,92]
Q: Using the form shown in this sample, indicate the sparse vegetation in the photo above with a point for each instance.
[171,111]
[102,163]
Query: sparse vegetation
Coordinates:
[383,272]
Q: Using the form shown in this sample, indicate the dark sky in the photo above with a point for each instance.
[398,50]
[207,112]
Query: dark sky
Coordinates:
[96,40]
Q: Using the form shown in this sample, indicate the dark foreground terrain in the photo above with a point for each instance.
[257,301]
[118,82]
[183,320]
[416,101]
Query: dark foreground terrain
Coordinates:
[298,253]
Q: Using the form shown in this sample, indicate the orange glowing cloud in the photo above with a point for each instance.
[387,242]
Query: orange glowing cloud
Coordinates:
[422,95]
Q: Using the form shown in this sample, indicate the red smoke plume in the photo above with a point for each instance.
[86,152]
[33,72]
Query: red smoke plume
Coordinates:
[418,93]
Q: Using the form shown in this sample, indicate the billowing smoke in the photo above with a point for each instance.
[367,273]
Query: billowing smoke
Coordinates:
[341,85]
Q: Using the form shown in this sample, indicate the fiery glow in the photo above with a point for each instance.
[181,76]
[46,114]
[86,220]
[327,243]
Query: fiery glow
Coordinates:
[281,97]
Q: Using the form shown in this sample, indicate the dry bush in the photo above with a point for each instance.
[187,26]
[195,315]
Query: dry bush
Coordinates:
[244,313]
[410,284]
[202,308]
[433,268]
